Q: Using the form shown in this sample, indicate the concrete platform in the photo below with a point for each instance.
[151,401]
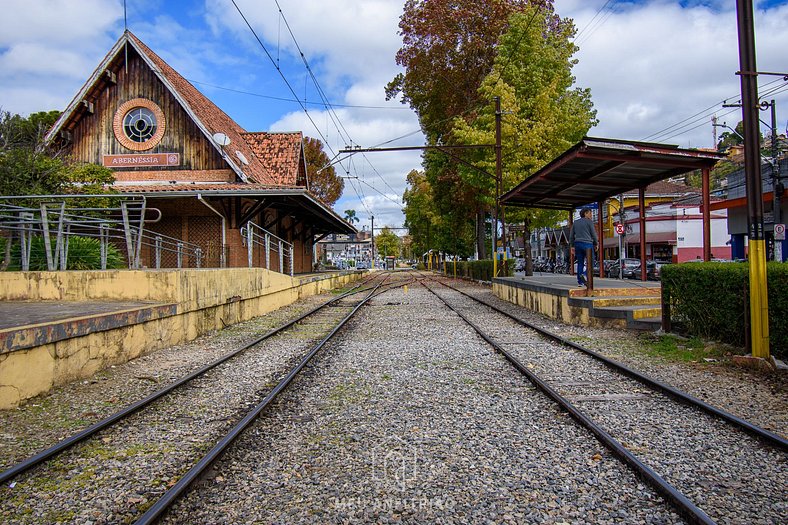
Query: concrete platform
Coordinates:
[27,324]
[621,303]
[56,327]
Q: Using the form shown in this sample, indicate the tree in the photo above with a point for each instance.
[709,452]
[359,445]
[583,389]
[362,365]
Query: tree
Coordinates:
[28,167]
[387,243]
[731,138]
[448,49]
[323,179]
[545,114]
[350,216]
[419,217]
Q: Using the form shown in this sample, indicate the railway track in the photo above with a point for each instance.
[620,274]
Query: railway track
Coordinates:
[113,470]
[695,455]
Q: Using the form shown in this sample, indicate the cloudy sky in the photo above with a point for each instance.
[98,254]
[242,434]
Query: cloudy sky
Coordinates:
[658,69]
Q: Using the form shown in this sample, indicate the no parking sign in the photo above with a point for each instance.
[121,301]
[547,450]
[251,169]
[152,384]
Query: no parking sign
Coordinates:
[779,232]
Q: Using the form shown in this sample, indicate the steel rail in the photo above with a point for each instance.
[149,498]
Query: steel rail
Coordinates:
[688,509]
[169,497]
[768,436]
[64,444]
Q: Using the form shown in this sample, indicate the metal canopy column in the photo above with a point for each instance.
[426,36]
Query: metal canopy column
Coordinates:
[571,255]
[642,219]
[599,234]
[706,217]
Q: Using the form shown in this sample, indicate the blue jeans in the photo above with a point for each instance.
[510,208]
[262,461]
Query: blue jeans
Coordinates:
[580,256]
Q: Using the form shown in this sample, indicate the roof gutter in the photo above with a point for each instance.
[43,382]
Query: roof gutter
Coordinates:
[222,262]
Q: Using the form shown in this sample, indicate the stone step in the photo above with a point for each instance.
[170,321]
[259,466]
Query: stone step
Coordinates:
[599,302]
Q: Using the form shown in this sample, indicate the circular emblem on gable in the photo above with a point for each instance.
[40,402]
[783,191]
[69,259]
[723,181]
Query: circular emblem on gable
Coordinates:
[139,124]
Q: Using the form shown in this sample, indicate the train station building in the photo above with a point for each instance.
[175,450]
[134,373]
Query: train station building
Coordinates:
[207,176]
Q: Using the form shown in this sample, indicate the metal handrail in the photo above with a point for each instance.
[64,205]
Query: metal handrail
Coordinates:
[254,235]
[122,226]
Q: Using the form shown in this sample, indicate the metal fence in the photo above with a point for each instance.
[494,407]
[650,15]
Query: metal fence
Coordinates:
[57,219]
[260,241]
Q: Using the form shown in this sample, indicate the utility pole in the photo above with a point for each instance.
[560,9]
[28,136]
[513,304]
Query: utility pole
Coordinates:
[497,184]
[777,185]
[372,255]
[621,238]
[714,130]
[759,305]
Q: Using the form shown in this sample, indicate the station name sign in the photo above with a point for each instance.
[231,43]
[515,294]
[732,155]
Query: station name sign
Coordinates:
[142,159]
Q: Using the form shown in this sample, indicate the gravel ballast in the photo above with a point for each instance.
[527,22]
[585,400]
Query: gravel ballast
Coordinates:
[406,417]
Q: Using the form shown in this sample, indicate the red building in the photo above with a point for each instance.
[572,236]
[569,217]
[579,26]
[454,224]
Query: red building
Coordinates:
[208,176]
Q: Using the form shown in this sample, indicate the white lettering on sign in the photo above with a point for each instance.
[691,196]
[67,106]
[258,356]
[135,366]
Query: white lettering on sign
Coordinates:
[152,159]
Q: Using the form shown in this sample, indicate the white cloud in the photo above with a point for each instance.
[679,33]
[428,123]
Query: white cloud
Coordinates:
[49,48]
[651,65]
[63,22]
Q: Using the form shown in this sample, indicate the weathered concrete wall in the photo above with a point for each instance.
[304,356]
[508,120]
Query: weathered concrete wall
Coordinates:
[204,300]
[552,305]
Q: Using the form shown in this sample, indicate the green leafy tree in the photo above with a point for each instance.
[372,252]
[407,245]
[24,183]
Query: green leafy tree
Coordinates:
[29,167]
[448,49]
[419,216]
[350,216]
[387,243]
[323,179]
[544,113]
[731,138]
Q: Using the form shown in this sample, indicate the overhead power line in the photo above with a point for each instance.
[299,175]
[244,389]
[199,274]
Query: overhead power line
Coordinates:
[285,99]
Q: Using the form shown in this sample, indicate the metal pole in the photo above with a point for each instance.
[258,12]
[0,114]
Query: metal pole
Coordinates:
[642,206]
[158,252]
[497,183]
[249,245]
[621,238]
[571,255]
[267,251]
[104,237]
[600,231]
[777,185]
[759,305]
[372,242]
[706,216]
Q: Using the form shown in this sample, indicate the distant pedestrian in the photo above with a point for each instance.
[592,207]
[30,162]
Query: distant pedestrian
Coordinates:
[582,236]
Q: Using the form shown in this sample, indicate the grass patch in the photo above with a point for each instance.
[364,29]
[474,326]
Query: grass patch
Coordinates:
[683,350]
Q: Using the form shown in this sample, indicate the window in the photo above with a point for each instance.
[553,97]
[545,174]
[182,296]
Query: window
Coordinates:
[139,124]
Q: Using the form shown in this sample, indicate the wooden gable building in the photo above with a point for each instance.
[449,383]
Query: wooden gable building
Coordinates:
[208,176]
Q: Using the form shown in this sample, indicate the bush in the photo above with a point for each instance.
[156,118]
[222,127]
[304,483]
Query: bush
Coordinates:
[479,270]
[710,300]
[84,253]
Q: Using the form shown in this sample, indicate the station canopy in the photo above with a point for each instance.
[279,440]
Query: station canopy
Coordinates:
[596,169]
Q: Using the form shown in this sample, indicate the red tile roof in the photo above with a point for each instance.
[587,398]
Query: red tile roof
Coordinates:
[664,187]
[280,154]
[196,187]
[213,118]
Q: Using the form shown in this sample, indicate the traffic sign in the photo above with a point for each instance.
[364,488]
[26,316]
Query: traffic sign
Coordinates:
[620,228]
[779,232]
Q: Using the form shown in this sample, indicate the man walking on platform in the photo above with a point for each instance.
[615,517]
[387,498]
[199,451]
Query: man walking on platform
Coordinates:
[583,236]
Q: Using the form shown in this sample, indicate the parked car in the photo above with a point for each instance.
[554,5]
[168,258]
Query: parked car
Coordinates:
[652,271]
[628,265]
